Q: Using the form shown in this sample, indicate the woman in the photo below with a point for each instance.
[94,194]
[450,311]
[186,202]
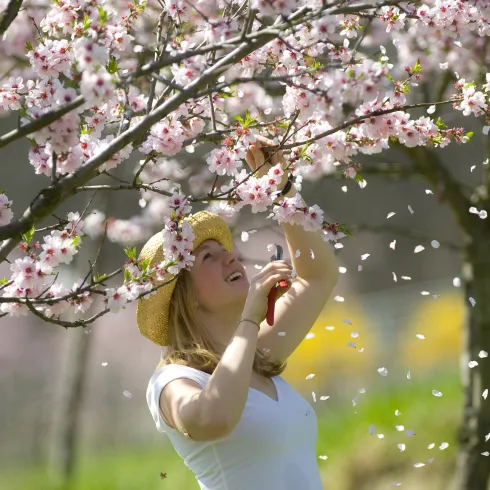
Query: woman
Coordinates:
[218,393]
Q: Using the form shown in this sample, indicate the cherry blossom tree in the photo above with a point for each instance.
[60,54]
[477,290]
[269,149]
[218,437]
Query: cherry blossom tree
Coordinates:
[95,82]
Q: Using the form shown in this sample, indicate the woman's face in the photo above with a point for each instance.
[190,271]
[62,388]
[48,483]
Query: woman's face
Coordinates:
[212,265]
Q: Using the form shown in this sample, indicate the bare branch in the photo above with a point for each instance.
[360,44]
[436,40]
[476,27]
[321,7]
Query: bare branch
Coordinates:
[9,15]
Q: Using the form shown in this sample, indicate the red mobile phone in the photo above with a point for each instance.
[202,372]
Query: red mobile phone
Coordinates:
[271,298]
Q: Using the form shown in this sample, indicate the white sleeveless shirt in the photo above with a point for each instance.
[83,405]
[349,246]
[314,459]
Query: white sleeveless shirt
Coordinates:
[273,446]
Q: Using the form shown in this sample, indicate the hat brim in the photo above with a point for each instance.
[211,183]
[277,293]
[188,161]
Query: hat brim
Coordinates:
[152,312]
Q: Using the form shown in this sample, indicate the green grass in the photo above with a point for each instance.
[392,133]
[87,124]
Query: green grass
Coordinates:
[344,438]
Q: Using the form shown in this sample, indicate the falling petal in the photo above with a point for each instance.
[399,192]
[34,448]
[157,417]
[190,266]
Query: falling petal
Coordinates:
[401,447]
[322,398]
[418,249]
[472,364]
[359,268]
[406,278]
[409,433]
[361,350]
[329,328]
[472,301]
[340,299]
[365,256]
[418,465]
[372,429]
[323,457]
[409,376]
[338,245]
[431,460]
[344,188]
[397,413]
[104,364]
[345,320]
[390,215]
[312,254]
[431,109]
[297,253]
[342,270]
[393,244]
[380,436]
[435,244]
[457,282]
[399,428]
[486,453]
[245,236]
[397,484]
[313,395]
[383,371]
[354,335]
[351,344]
[281,334]
[485,394]
[127,394]
[355,400]
[483,354]
[431,446]
[310,376]
[394,277]
[420,336]
[410,209]
[436,393]
[443,446]
[424,293]
[428,191]
[309,336]
[362,390]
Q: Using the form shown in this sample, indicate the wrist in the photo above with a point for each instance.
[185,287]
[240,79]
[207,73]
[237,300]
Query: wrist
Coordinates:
[250,321]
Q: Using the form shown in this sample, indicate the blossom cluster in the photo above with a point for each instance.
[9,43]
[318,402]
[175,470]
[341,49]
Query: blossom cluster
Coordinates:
[32,273]
[89,49]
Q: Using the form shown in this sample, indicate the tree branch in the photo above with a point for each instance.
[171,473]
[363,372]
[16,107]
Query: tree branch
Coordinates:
[9,15]
[43,121]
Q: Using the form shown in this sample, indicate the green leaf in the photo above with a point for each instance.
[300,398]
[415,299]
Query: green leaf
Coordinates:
[130,252]
[99,277]
[358,178]
[27,236]
[389,77]
[29,46]
[77,241]
[469,135]
[343,228]
[417,67]
[239,119]
[112,65]
[127,275]
[4,281]
[86,22]
[440,123]
[103,16]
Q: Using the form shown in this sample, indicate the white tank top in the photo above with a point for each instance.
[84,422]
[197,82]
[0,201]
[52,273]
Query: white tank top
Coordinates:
[273,446]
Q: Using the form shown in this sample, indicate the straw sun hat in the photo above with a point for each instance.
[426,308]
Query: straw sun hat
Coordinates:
[152,314]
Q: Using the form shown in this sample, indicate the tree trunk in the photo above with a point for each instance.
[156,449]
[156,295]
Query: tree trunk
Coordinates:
[67,408]
[473,469]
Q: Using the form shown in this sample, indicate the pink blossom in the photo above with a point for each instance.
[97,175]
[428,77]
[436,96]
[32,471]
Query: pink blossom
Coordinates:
[97,87]
[224,161]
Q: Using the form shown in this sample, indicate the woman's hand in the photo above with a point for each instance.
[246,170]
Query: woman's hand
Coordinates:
[255,158]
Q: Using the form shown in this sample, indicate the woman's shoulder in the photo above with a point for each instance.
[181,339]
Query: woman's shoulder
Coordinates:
[181,367]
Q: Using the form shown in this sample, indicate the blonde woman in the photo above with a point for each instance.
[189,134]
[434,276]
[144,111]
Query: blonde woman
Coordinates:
[218,393]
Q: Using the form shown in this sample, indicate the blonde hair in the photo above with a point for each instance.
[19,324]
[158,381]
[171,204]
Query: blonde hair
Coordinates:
[189,345]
